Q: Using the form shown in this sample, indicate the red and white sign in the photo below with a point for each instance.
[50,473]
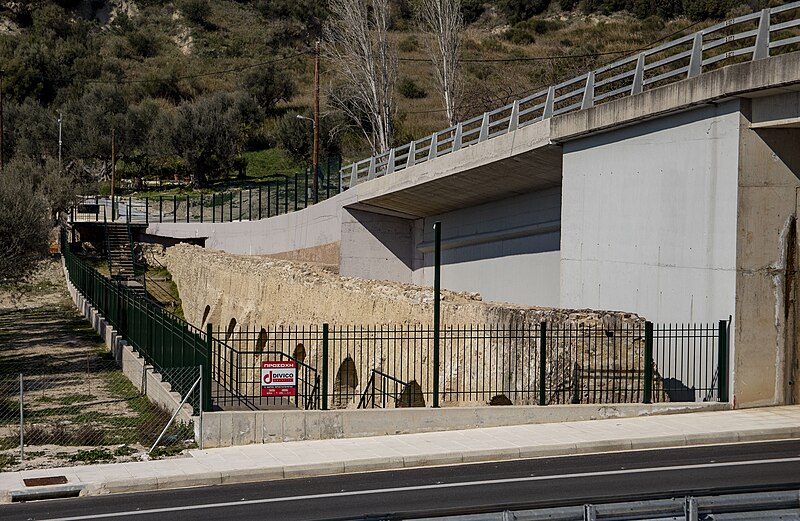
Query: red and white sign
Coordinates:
[279,378]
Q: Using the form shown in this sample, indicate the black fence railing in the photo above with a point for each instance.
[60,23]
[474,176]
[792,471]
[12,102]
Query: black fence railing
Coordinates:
[259,201]
[392,366]
[236,361]
[382,366]
[168,343]
[383,391]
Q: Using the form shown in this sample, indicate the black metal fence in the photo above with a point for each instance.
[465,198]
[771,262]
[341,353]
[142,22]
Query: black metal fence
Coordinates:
[394,365]
[559,363]
[287,194]
[167,342]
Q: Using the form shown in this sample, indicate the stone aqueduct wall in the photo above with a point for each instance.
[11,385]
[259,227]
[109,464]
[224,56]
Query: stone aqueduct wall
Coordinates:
[258,291]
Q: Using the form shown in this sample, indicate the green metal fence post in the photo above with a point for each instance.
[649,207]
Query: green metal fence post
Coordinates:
[324,386]
[259,202]
[188,205]
[542,363]
[202,206]
[437,264]
[160,208]
[286,194]
[722,361]
[147,210]
[174,208]
[240,206]
[213,207]
[648,362]
[206,369]
[295,193]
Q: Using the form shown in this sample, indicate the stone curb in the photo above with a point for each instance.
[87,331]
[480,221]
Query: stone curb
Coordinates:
[194,472]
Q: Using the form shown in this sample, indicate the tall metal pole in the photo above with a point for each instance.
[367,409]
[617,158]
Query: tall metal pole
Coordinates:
[316,123]
[59,141]
[113,170]
[437,264]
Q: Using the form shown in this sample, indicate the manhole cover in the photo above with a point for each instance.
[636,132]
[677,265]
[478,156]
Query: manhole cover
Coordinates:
[40,482]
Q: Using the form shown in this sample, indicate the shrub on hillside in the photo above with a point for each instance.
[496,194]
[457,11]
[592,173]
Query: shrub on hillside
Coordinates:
[520,10]
[196,11]
[472,10]
[408,88]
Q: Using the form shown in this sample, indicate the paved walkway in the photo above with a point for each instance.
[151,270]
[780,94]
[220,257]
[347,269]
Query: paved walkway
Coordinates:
[316,458]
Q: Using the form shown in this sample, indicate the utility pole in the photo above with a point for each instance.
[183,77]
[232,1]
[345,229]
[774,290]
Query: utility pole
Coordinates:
[2,75]
[113,170]
[316,123]
[59,141]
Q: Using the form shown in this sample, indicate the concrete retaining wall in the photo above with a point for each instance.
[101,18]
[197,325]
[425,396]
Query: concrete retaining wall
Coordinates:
[508,251]
[649,217]
[223,429]
[316,226]
[133,366]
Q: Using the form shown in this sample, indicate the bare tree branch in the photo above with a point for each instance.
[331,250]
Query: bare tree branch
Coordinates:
[356,43]
[443,21]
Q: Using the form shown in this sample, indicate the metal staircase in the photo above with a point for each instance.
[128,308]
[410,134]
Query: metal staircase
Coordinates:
[119,252]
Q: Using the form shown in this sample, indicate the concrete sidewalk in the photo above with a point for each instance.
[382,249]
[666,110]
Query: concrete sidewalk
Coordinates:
[316,458]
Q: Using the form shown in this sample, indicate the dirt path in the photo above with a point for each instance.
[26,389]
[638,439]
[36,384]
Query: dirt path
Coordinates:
[78,405]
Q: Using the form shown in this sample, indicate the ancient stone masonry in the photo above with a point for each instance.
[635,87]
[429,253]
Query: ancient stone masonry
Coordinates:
[247,293]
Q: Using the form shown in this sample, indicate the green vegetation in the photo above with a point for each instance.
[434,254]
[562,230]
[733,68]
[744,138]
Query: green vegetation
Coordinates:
[6,461]
[210,91]
[264,164]
[124,450]
[90,456]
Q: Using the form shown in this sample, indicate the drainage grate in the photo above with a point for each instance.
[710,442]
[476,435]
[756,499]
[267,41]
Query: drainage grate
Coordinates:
[49,480]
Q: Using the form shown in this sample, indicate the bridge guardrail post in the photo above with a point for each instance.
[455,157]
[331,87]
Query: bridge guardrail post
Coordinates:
[761,48]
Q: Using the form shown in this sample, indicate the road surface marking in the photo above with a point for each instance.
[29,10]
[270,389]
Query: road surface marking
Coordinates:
[429,487]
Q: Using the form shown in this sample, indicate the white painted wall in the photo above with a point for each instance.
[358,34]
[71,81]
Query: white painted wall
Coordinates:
[505,250]
[649,217]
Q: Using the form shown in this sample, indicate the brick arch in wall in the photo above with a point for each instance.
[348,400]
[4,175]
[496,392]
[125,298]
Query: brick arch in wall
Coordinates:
[230,329]
[345,385]
[299,353]
[261,341]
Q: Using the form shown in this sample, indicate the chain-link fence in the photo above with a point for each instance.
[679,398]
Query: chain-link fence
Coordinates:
[66,409]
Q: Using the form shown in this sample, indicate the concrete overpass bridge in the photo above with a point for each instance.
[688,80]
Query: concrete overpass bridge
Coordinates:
[664,184]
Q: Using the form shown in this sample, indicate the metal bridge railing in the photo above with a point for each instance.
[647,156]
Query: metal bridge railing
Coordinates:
[750,37]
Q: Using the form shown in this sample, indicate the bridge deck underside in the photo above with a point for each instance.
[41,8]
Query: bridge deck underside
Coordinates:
[536,169]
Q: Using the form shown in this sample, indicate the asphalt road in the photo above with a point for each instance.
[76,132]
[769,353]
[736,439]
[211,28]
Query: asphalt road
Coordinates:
[484,487]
